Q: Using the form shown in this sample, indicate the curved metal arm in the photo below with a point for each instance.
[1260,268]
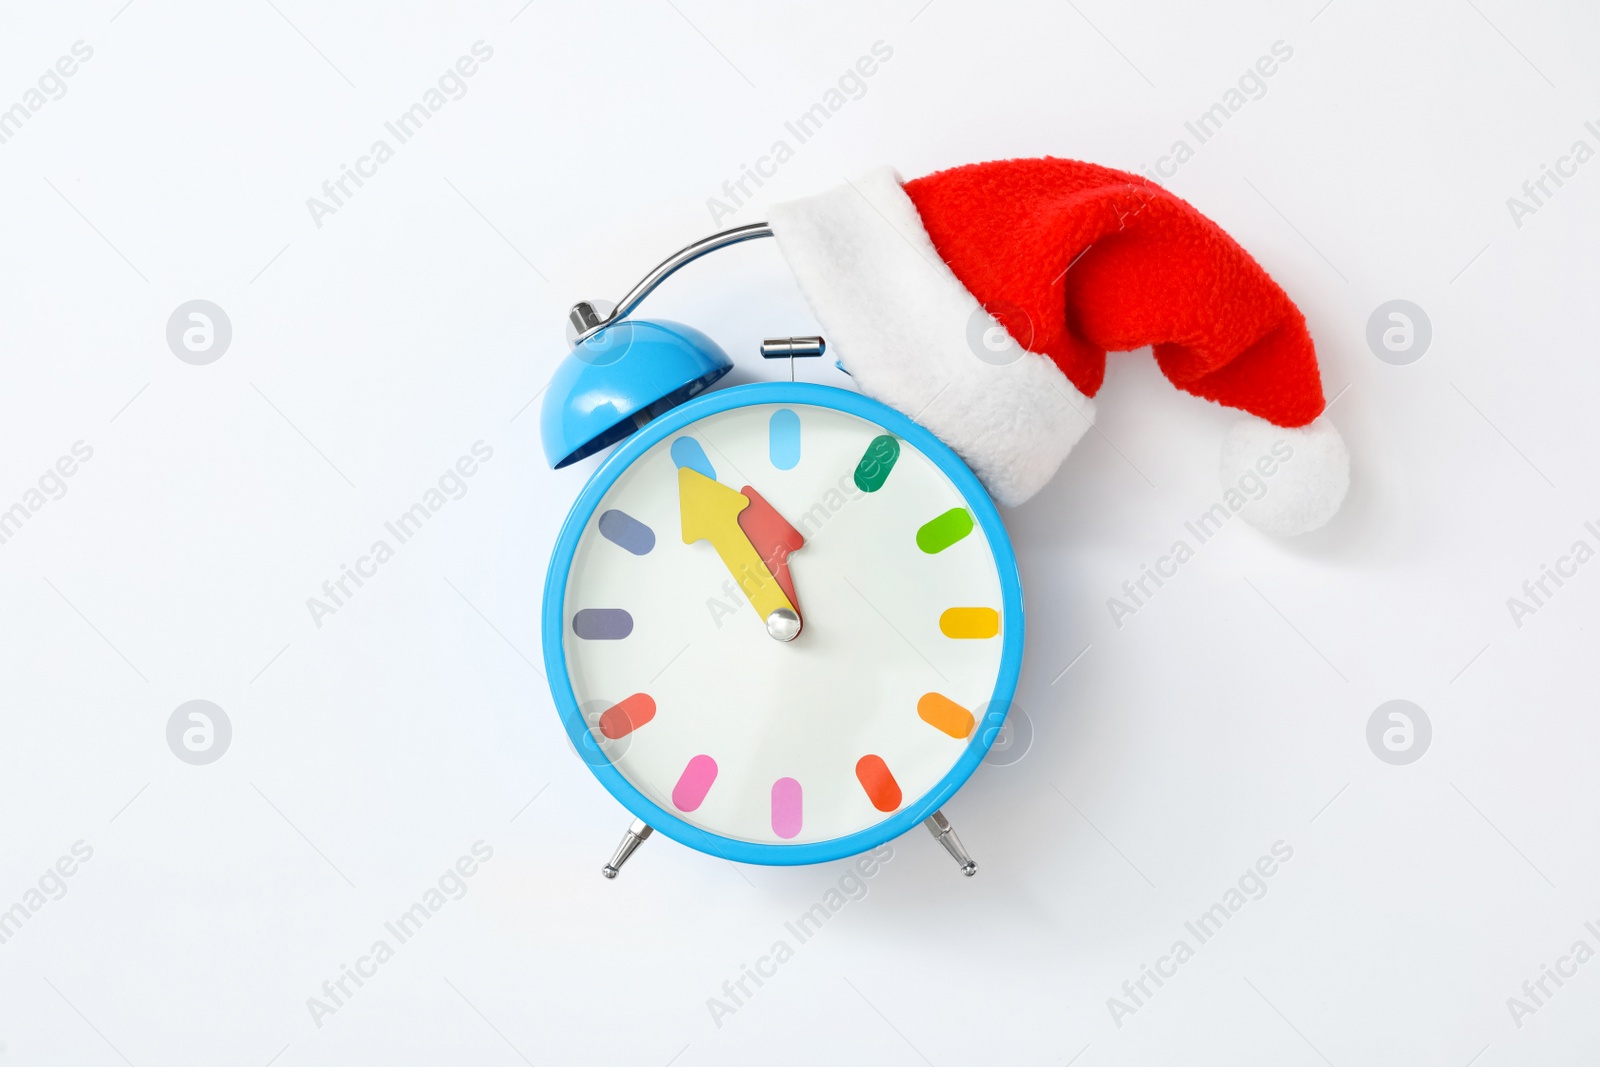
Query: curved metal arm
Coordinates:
[588,321]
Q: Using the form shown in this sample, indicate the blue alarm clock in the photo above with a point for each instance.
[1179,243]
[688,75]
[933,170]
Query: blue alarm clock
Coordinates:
[782,622]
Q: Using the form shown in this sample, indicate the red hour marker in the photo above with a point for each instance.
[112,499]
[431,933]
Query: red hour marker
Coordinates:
[874,776]
[627,715]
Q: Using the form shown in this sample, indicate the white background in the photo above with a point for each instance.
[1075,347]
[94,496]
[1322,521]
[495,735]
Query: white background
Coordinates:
[371,752]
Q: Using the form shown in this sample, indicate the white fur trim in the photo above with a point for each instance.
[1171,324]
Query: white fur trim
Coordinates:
[913,337]
[1304,489]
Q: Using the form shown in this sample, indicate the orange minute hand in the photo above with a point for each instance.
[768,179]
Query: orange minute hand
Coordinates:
[709,511]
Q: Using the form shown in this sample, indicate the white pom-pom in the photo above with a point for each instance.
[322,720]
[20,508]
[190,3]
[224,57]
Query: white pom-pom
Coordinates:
[1293,480]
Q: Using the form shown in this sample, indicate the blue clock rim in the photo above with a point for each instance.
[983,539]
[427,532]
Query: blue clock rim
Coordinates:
[606,475]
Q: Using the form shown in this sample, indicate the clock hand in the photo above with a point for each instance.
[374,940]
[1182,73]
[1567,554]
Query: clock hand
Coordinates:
[773,539]
[709,511]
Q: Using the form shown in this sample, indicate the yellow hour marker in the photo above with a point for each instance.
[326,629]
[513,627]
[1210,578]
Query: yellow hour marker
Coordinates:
[970,623]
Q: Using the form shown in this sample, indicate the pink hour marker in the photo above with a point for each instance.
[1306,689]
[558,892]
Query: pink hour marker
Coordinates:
[786,815]
[694,783]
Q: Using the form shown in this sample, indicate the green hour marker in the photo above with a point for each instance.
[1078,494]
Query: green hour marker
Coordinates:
[938,534]
[876,463]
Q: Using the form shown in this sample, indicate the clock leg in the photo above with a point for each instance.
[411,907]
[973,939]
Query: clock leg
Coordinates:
[630,841]
[945,834]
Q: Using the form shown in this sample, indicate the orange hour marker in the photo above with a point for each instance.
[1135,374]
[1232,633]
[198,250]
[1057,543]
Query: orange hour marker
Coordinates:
[627,715]
[882,789]
[944,714]
[970,622]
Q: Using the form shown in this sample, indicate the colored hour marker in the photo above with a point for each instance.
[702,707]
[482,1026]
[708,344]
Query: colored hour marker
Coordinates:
[602,624]
[627,532]
[686,452]
[938,534]
[944,714]
[970,622]
[783,440]
[874,776]
[876,463]
[786,814]
[627,715]
[694,783]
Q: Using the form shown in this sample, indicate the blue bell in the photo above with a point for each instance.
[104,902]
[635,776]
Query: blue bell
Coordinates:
[623,372]
[617,380]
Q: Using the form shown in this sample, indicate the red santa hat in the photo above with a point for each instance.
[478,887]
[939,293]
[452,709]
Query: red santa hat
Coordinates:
[981,301]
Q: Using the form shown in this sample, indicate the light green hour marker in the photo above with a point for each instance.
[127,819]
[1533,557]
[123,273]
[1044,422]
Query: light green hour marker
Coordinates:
[876,463]
[938,534]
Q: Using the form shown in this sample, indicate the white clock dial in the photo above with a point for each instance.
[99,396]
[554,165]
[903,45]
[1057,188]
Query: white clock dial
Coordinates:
[694,701]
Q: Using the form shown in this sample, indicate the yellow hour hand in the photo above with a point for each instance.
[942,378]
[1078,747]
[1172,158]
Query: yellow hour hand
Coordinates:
[710,512]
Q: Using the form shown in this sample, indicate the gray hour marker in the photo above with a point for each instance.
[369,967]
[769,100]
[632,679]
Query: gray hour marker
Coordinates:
[602,624]
[627,532]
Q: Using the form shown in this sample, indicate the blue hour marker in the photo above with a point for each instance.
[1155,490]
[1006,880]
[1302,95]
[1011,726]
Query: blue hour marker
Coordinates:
[686,452]
[783,439]
[627,532]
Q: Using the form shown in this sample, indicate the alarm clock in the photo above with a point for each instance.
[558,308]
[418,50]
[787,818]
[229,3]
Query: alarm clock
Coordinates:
[782,623]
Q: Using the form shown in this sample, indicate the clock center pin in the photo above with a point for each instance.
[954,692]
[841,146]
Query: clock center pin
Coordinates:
[783,625]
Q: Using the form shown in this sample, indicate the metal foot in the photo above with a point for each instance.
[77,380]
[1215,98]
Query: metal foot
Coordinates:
[630,841]
[940,828]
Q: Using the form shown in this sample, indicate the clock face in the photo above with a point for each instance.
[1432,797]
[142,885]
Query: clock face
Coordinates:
[903,662]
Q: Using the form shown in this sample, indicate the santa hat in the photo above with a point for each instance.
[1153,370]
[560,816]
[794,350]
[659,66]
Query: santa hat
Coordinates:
[981,301]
